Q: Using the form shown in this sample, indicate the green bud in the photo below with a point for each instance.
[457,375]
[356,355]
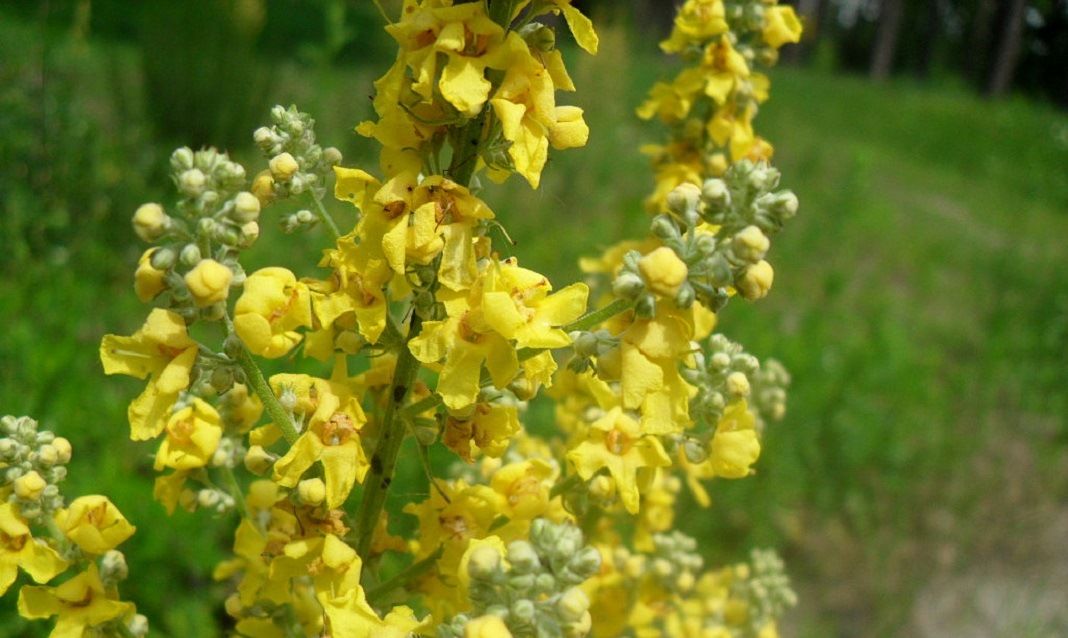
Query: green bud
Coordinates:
[522,556]
[523,610]
[628,285]
[190,255]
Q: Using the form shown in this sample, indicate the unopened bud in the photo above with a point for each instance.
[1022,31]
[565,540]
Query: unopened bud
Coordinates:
[716,194]
[738,384]
[258,460]
[663,271]
[757,280]
[483,562]
[683,199]
[182,158]
[209,282]
[750,244]
[331,156]
[208,499]
[190,255]
[246,207]
[150,222]
[522,556]
[192,182]
[283,166]
[29,486]
[311,491]
[628,285]
[573,604]
[113,567]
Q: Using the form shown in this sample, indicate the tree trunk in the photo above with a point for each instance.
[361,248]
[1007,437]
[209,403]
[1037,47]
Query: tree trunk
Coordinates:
[1008,50]
[930,30]
[882,59]
[976,55]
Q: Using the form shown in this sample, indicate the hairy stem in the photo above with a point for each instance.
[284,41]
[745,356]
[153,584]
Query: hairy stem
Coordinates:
[259,385]
[326,217]
[390,437]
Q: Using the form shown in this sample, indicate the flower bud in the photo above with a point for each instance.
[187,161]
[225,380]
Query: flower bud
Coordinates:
[246,208]
[283,166]
[683,198]
[263,137]
[694,451]
[149,281]
[664,229]
[208,499]
[250,232]
[685,297]
[259,461]
[150,222]
[750,244]
[192,182]
[263,188]
[522,556]
[209,282]
[113,567]
[602,488]
[487,626]
[190,255]
[523,610]
[663,271]
[738,384]
[331,156]
[757,280]
[47,455]
[138,626]
[311,491]
[182,158]
[305,217]
[573,604]
[628,285]
[716,194]
[29,486]
[483,562]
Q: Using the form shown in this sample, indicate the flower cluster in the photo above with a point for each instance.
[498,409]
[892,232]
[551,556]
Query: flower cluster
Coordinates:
[528,532]
[47,538]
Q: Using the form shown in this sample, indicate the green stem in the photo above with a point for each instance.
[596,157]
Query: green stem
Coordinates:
[432,401]
[259,385]
[326,217]
[390,437]
[404,577]
[234,488]
[591,319]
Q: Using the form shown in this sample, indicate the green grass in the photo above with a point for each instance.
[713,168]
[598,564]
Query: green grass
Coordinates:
[920,303]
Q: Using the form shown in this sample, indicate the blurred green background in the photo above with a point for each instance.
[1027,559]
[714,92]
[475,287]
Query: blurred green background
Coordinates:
[919,484]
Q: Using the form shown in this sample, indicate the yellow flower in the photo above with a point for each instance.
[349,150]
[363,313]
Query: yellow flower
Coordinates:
[18,549]
[462,36]
[508,303]
[615,442]
[162,351]
[488,430]
[193,434]
[80,604]
[735,446]
[525,487]
[663,271]
[273,305]
[781,26]
[332,436]
[526,106]
[696,22]
[94,524]
[148,282]
[209,282]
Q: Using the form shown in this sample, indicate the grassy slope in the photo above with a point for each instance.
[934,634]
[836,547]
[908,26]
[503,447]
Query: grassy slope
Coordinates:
[918,303]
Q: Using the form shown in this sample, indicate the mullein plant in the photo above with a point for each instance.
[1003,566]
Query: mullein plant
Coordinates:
[563,536]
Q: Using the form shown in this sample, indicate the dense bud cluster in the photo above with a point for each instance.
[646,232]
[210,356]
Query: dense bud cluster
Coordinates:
[534,587]
[33,464]
[296,162]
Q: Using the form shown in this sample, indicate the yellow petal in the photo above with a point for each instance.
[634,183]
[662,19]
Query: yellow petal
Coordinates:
[582,28]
